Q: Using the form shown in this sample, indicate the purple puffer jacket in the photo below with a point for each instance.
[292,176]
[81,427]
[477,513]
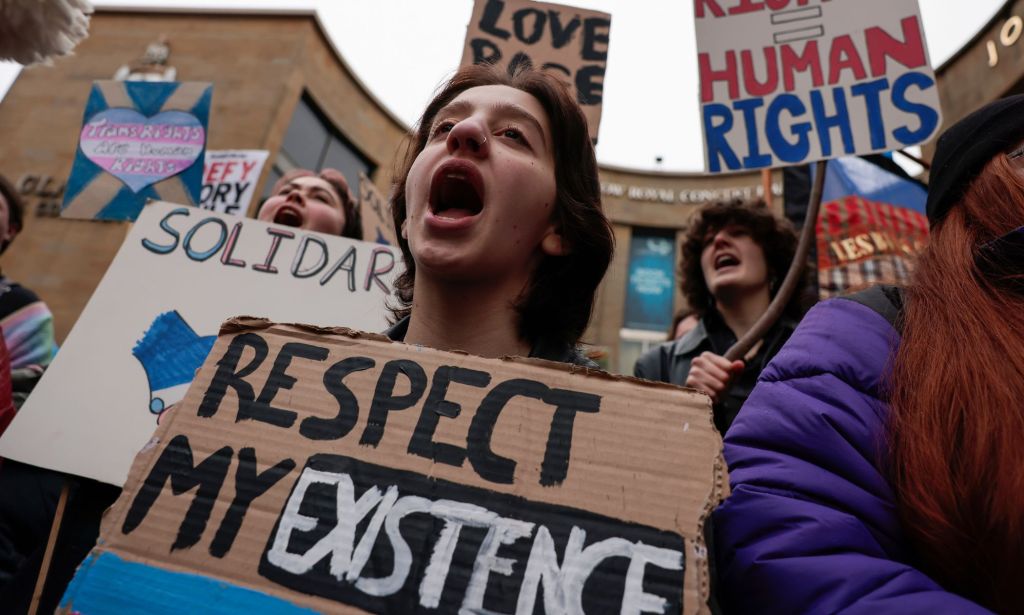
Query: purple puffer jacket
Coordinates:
[811,525]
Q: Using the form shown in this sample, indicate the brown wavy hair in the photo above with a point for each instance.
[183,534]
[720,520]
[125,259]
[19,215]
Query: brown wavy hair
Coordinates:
[775,236]
[557,303]
[956,425]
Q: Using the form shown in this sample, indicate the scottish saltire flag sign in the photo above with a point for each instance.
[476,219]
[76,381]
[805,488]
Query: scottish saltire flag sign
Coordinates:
[139,141]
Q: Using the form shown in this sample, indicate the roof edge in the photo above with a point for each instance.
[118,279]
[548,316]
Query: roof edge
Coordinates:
[259,12]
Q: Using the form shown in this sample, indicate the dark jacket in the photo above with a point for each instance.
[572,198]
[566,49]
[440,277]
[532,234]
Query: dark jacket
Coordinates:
[670,362]
[812,525]
[561,353]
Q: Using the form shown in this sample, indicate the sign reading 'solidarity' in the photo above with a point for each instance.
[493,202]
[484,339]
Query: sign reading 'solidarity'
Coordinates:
[785,82]
[324,470]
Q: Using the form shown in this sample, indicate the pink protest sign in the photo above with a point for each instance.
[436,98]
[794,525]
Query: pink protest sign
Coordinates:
[141,151]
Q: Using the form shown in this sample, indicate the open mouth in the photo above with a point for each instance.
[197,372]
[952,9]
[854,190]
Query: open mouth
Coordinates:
[456,191]
[288,216]
[726,260]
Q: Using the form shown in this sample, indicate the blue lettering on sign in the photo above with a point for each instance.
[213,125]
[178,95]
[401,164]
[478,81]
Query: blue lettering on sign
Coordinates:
[788,121]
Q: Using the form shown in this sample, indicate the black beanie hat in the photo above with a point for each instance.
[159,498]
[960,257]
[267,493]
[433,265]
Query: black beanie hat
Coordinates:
[967,146]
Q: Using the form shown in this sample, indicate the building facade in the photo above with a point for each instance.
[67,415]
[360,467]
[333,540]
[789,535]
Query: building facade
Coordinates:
[280,86]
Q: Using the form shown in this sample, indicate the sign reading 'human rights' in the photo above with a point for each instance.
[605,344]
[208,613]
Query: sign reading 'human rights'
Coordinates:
[786,82]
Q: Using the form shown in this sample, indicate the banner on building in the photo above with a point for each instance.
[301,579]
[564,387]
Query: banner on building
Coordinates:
[154,317]
[310,470]
[139,141]
[651,286]
[568,42]
[809,81]
[229,180]
[375,213]
[871,226]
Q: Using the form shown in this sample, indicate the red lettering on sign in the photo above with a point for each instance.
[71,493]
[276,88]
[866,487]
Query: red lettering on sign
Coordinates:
[844,56]
[909,52]
[712,5]
[793,62]
[709,76]
[771,80]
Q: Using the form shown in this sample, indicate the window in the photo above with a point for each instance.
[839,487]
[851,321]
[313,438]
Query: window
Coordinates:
[314,143]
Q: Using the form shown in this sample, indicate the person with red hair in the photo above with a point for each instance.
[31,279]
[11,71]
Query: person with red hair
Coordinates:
[877,465]
[320,202]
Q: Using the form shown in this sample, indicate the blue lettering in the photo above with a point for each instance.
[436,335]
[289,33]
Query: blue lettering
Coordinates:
[159,249]
[786,150]
[928,116]
[715,135]
[754,158]
[871,91]
[826,123]
[202,256]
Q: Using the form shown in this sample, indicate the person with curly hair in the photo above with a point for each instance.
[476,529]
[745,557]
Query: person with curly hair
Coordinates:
[734,257]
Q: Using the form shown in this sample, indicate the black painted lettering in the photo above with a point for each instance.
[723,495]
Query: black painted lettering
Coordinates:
[561,35]
[527,34]
[228,374]
[261,409]
[595,34]
[590,85]
[249,485]
[487,464]
[489,20]
[316,428]
[519,62]
[484,51]
[567,403]
[385,400]
[175,465]
[436,406]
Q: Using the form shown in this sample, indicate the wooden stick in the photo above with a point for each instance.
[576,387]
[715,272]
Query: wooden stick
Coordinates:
[766,186]
[796,269]
[44,567]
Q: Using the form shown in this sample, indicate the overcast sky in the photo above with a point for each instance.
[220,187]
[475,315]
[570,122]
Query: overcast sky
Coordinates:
[402,49]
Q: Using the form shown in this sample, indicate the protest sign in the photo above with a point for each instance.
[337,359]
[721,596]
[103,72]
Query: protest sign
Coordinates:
[312,470]
[568,42]
[229,180]
[790,82]
[153,318]
[139,141]
[375,212]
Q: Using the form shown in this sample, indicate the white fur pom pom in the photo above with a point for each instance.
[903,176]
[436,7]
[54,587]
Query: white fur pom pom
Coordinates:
[36,30]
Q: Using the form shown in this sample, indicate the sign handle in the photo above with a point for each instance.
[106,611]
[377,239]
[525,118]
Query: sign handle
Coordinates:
[766,186]
[44,567]
[796,269]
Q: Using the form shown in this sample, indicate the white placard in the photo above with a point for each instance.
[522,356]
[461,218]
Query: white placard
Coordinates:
[180,273]
[229,180]
[787,82]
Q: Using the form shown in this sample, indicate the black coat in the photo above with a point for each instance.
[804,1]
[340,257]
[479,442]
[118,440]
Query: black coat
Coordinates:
[670,362]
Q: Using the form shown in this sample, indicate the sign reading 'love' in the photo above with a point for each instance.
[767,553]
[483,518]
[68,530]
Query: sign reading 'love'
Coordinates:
[141,150]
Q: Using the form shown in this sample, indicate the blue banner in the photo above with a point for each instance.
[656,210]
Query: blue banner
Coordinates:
[652,261]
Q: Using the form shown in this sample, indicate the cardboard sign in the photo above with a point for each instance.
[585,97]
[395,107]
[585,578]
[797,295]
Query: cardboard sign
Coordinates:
[310,470]
[568,42]
[139,141]
[795,81]
[376,214]
[229,180]
[154,317]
